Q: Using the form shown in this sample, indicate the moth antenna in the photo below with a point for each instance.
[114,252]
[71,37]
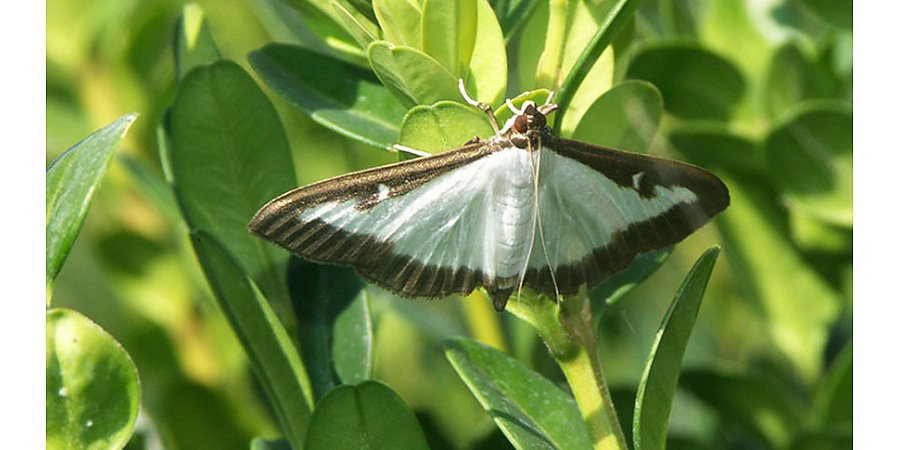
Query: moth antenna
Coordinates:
[537,207]
[550,98]
[410,150]
[534,220]
[482,106]
[516,111]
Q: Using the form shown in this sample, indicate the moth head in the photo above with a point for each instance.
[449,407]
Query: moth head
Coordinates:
[531,118]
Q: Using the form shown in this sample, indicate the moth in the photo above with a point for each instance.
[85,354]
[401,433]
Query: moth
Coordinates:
[522,208]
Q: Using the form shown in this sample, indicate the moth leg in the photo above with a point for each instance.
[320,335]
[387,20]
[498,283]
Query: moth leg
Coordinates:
[409,150]
[482,106]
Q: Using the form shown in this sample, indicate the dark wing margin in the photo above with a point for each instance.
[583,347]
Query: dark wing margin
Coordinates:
[319,241]
[642,173]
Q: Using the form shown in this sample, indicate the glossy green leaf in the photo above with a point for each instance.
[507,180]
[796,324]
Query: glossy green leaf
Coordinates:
[810,156]
[486,80]
[273,356]
[838,13]
[625,117]
[363,30]
[444,126]
[732,29]
[412,76]
[615,287]
[695,83]
[270,444]
[334,324]
[657,388]
[92,388]
[401,21]
[194,44]
[229,157]
[340,96]
[71,182]
[512,14]
[369,415]
[678,18]
[530,410]
[759,402]
[574,97]
[794,77]
[713,144]
[812,234]
[448,32]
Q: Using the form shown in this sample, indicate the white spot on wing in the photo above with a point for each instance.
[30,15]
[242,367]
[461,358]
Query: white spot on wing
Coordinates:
[636,180]
[383,192]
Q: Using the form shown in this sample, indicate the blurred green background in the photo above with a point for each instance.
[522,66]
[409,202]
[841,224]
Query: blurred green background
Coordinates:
[770,357]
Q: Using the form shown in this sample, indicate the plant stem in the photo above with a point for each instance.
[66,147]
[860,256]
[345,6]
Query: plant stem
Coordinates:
[568,331]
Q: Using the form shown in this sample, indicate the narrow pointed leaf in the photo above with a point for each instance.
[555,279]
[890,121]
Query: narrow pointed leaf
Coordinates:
[273,357]
[363,30]
[530,410]
[369,415]
[657,388]
[230,156]
[71,182]
[512,14]
[194,44]
[411,75]
[338,95]
[615,287]
[93,392]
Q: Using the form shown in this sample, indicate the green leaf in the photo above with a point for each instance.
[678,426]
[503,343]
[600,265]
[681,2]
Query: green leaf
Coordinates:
[412,76]
[810,157]
[194,44]
[512,14]
[153,187]
[400,21]
[273,357]
[695,83]
[92,390]
[337,95]
[530,410]
[625,117]
[838,13]
[657,388]
[71,182]
[334,325]
[448,32]
[486,80]
[571,90]
[616,286]
[794,77]
[732,29]
[713,144]
[369,415]
[363,30]
[229,157]
[758,401]
[444,126]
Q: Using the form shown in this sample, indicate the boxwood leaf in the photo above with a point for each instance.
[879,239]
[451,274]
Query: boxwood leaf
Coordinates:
[530,410]
[229,157]
[512,14]
[449,29]
[338,95]
[194,44]
[657,388]
[370,415]
[334,324]
[486,80]
[615,287]
[412,76]
[794,77]
[625,117]
[273,356]
[838,13]
[443,126]
[363,30]
[71,181]
[810,156]
[93,392]
[695,83]
[401,21]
